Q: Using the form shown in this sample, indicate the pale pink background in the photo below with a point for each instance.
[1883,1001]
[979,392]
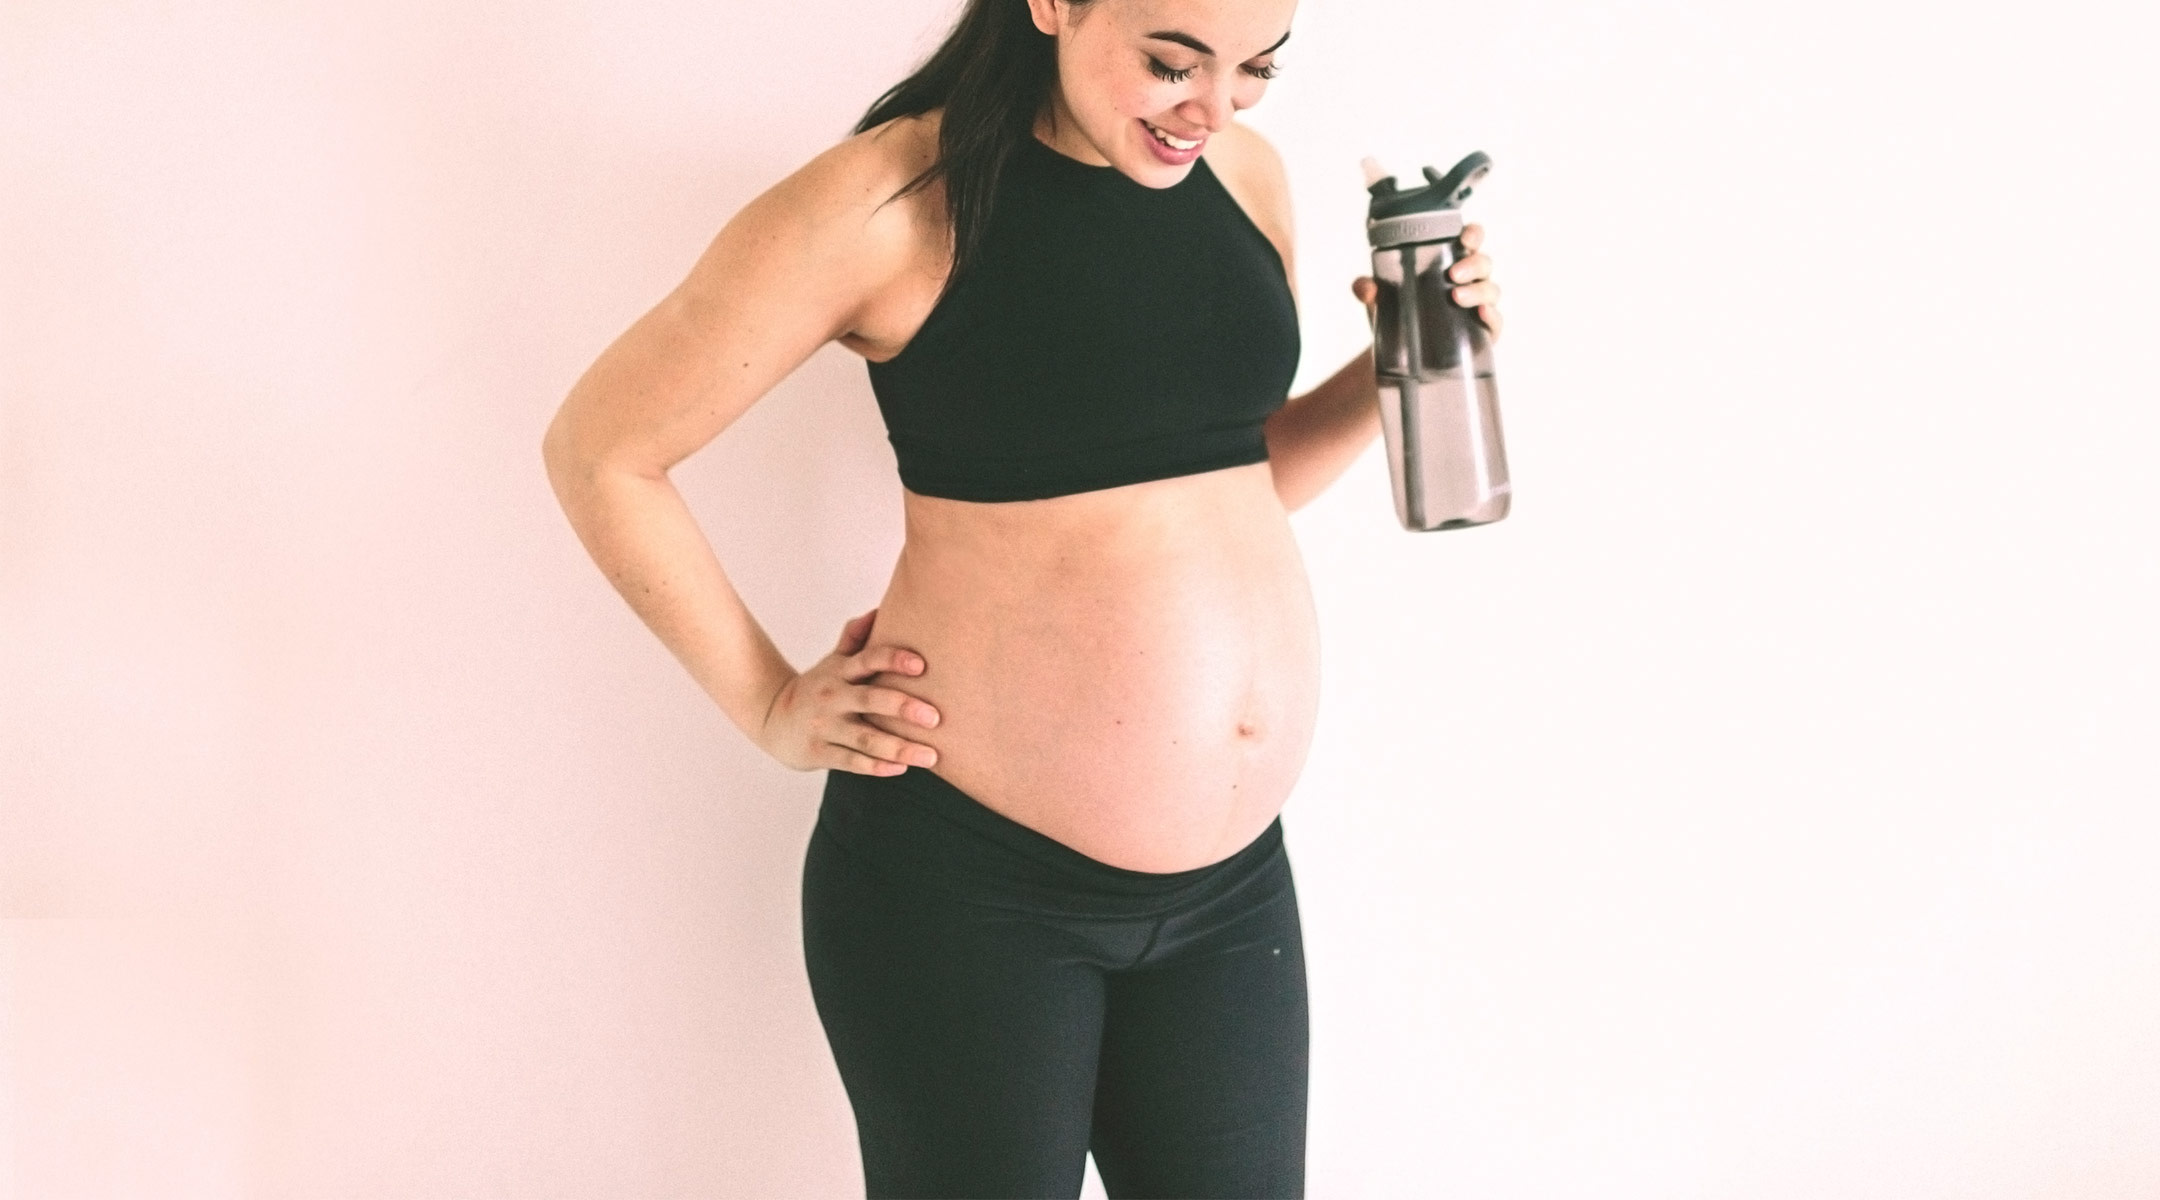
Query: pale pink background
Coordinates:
[1764,809]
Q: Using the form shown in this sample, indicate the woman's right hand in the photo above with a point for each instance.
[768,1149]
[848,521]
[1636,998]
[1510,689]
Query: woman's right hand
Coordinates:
[815,719]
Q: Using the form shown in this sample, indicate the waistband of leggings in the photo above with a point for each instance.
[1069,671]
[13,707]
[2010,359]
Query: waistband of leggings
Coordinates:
[917,824]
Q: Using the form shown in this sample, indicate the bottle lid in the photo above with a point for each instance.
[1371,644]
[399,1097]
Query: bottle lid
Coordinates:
[1425,213]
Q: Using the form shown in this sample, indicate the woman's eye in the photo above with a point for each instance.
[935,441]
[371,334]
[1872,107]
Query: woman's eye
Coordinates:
[1162,71]
[1266,72]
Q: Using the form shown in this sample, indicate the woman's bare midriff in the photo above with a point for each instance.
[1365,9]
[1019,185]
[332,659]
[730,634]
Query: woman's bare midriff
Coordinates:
[1132,671]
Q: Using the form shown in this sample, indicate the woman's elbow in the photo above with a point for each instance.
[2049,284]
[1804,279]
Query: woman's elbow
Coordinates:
[1288,487]
[573,458]
[560,455]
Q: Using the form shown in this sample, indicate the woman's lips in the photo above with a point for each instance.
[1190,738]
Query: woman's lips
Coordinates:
[1167,153]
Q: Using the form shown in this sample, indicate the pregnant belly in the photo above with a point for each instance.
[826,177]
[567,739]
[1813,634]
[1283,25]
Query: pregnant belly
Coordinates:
[1133,672]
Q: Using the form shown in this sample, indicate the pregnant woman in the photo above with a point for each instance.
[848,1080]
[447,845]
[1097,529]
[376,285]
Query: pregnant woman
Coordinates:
[1046,906]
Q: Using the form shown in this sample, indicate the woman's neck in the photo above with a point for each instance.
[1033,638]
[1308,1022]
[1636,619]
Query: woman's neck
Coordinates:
[1055,125]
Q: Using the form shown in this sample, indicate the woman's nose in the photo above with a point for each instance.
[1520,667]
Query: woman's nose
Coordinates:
[1213,108]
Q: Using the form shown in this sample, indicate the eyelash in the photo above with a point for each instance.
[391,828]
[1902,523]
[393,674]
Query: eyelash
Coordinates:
[1165,73]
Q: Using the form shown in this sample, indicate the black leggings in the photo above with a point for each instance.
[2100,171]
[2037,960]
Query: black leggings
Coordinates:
[1000,1004]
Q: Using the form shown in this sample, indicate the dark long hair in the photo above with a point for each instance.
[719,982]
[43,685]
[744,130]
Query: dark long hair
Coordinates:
[991,77]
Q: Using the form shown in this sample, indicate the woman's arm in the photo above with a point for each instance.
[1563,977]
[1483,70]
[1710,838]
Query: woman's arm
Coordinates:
[1312,439]
[1315,437]
[787,274]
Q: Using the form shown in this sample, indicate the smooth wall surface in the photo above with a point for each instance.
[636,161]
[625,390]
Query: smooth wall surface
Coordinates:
[1765,808]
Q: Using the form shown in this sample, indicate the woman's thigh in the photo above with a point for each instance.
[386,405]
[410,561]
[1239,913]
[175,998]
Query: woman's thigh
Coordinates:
[1201,1087]
[966,1037]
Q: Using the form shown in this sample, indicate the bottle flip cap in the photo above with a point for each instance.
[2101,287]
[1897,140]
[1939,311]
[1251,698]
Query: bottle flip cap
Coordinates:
[1428,213]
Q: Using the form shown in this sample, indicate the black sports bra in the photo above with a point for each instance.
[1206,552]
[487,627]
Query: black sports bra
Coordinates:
[1109,333]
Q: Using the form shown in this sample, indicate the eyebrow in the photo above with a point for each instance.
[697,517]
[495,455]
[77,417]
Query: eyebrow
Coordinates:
[1190,42]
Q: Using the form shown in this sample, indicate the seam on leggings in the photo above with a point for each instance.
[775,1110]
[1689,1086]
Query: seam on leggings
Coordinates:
[1140,962]
[1152,935]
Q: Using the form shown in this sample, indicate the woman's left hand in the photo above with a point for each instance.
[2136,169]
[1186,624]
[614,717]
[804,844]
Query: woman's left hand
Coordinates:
[1472,275]
[1475,286]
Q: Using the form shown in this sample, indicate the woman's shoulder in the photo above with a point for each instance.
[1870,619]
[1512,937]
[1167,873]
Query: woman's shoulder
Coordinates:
[845,202]
[901,148]
[861,173]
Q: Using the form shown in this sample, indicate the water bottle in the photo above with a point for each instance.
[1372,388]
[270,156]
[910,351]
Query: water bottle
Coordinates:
[1439,406]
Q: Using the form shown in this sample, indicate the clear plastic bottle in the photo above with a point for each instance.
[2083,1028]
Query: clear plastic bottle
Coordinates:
[1439,404]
